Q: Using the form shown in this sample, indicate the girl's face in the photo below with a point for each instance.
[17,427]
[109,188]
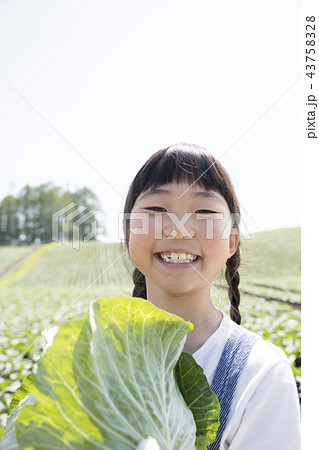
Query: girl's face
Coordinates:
[169,220]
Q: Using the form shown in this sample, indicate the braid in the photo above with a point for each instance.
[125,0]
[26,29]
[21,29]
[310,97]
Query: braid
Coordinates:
[233,279]
[140,284]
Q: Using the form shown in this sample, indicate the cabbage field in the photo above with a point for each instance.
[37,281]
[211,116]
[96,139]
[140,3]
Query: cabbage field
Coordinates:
[42,286]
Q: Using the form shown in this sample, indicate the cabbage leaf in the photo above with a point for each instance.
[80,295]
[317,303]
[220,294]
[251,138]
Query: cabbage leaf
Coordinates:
[111,380]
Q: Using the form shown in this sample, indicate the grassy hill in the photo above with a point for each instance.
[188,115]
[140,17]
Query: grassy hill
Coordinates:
[13,257]
[272,257]
[104,264]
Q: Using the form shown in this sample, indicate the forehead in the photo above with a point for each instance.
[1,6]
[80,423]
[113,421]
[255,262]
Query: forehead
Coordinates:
[182,190]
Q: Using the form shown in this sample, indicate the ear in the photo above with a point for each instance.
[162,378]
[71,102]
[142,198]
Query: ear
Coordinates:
[233,242]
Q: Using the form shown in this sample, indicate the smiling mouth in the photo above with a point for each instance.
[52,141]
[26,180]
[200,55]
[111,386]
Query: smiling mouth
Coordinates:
[177,257]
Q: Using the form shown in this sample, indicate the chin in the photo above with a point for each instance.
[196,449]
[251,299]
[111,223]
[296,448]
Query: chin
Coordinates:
[178,290]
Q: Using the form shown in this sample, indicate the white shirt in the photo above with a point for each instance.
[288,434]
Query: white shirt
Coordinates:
[264,414]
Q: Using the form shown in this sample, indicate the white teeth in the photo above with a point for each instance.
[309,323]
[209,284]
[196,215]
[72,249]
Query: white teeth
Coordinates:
[178,257]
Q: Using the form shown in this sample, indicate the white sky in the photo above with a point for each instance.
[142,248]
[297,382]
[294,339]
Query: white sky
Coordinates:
[119,80]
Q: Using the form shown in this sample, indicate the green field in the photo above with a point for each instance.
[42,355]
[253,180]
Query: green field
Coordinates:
[60,284]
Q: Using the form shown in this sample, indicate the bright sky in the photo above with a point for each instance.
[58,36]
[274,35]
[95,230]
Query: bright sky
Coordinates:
[89,90]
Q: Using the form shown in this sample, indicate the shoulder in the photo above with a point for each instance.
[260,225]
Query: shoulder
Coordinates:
[265,356]
[265,359]
[266,365]
[267,373]
[265,404]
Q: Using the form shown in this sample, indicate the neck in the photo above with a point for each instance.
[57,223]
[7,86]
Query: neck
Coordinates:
[195,307]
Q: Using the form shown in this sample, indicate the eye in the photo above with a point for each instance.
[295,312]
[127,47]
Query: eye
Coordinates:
[155,208]
[206,211]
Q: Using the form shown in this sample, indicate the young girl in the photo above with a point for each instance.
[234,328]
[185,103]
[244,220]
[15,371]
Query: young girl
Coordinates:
[190,216]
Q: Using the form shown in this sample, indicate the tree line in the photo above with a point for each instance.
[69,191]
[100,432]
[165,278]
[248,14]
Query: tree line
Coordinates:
[28,217]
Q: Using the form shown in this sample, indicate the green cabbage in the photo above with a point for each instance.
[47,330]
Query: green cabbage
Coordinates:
[113,379]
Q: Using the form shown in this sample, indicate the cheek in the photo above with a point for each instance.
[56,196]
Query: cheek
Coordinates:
[139,224]
[222,228]
[136,252]
[143,229]
[217,229]
[140,248]
[137,243]
[217,242]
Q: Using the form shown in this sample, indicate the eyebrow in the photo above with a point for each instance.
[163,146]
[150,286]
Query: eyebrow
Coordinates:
[206,194]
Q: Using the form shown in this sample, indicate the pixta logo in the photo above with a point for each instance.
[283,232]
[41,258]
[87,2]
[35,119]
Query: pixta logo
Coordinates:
[64,219]
[139,223]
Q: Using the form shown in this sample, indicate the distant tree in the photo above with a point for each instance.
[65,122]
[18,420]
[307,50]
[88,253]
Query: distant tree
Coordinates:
[28,218]
[9,221]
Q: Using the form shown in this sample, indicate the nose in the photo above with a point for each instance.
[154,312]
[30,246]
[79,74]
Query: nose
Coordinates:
[175,228]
